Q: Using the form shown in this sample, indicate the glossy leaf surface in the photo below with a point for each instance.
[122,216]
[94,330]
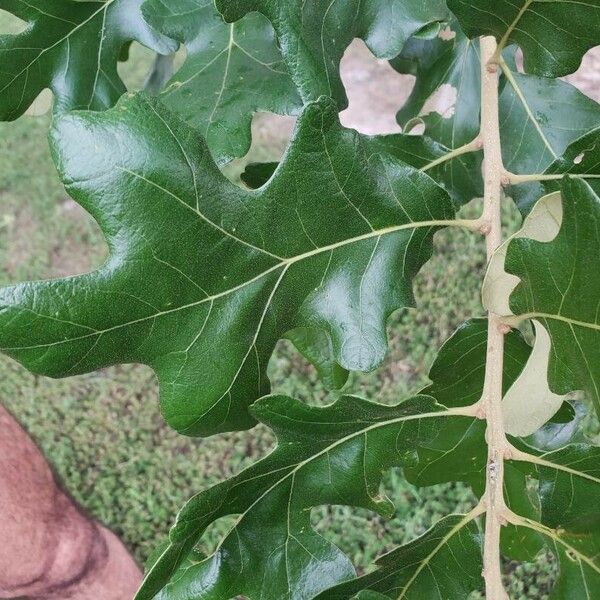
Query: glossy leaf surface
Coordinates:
[203,278]
[72,48]
[458,372]
[459,176]
[446,96]
[539,118]
[582,157]
[330,455]
[445,562]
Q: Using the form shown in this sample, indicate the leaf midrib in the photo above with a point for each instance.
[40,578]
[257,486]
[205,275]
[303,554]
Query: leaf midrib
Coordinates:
[452,412]
[530,524]
[285,263]
[521,456]
[521,96]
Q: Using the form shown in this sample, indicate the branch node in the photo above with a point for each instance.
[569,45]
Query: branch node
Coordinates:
[492,67]
[505,180]
[504,328]
[485,228]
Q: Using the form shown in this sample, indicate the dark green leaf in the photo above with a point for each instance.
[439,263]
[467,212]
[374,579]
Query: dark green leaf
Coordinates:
[203,277]
[554,35]
[330,455]
[578,560]
[256,175]
[569,521]
[446,96]
[539,117]
[459,369]
[460,176]
[569,485]
[73,49]
[314,34]
[444,563]
[231,72]
[316,346]
[582,157]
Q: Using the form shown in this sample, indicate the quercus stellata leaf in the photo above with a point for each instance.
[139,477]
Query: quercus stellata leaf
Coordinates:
[71,47]
[540,275]
[203,278]
[330,455]
[336,455]
[231,71]
[313,34]
[539,117]
[554,35]
[446,96]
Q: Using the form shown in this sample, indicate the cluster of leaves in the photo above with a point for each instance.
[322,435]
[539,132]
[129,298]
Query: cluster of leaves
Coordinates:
[205,277]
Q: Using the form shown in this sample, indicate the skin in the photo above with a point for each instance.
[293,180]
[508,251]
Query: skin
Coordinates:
[49,549]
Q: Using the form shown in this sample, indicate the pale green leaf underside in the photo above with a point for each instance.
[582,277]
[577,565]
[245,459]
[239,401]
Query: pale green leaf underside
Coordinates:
[556,288]
[231,72]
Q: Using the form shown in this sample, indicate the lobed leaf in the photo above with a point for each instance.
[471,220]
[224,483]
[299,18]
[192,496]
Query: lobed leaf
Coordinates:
[444,563]
[313,34]
[72,48]
[231,71]
[460,177]
[330,455]
[539,118]
[554,35]
[336,455]
[446,96]
[458,371]
[568,520]
[203,278]
[547,279]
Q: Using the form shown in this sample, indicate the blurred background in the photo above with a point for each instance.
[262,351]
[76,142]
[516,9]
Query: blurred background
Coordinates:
[103,432]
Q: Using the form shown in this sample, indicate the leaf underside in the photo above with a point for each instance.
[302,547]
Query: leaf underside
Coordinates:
[231,72]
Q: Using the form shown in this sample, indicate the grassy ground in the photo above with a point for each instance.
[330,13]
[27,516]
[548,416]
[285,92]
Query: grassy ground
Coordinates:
[103,432]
